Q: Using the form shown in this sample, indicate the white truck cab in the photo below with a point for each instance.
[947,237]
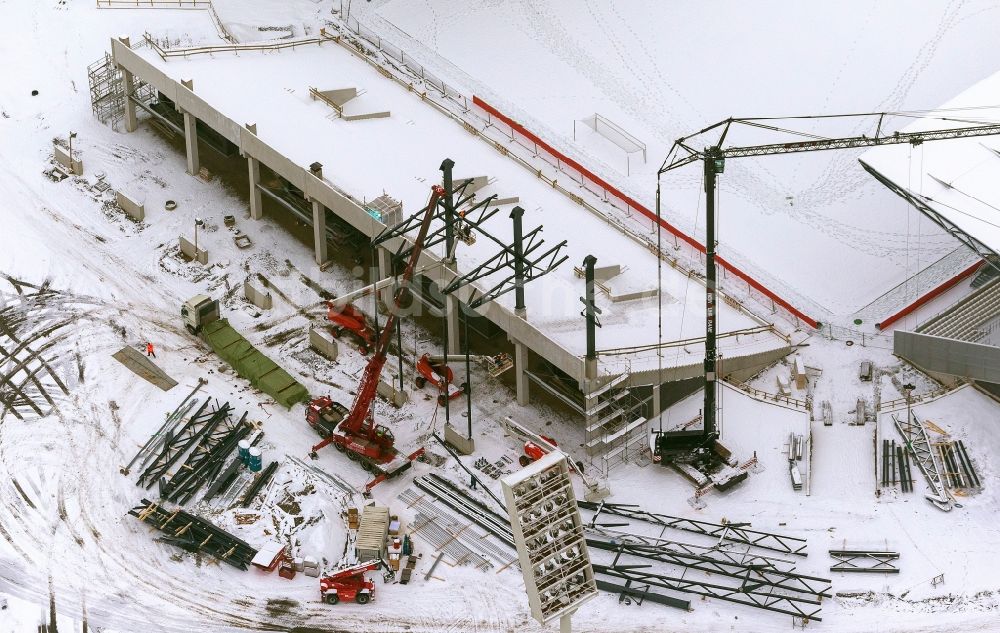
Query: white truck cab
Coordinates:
[198,311]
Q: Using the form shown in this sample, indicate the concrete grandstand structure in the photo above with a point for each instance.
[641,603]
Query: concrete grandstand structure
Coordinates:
[218,91]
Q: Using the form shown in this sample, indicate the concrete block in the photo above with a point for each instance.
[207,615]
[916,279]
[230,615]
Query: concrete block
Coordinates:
[188,251]
[259,298]
[462,444]
[478,182]
[339,96]
[367,115]
[632,295]
[62,157]
[597,493]
[604,273]
[324,344]
[135,210]
[392,394]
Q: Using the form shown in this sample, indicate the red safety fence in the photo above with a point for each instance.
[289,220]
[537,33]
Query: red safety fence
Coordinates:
[936,292]
[632,203]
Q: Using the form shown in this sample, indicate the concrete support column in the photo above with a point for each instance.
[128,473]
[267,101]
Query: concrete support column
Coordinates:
[452,306]
[656,400]
[520,369]
[256,204]
[191,143]
[131,123]
[384,257]
[319,231]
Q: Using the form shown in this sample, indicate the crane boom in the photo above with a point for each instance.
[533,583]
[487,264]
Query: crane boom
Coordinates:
[354,422]
[850,142]
[714,158]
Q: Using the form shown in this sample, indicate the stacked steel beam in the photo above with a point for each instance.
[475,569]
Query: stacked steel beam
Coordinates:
[967,468]
[176,445]
[452,496]
[259,481]
[148,449]
[896,461]
[762,597]
[205,461]
[470,537]
[193,534]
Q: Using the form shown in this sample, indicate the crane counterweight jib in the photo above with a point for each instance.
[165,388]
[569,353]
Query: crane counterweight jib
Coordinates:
[690,155]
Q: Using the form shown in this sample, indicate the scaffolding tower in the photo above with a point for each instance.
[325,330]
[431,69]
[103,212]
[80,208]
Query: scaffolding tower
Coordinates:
[107,91]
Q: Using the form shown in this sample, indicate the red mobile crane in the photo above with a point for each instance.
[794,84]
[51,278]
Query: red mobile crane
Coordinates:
[349,584]
[354,432]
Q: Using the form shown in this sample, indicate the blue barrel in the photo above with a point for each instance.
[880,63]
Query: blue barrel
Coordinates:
[244,451]
[254,461]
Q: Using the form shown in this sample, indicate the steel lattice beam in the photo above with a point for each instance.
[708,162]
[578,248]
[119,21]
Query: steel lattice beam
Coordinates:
[745,558]
[755,578]
[864,561]
[920,203]
[770,602]
[691,155]
[915,438]
[733,533]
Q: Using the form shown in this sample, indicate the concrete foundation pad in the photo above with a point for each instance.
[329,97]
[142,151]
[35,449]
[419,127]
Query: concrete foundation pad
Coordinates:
[324,344]
[188,250]
[392,394]
[462,444]
[260,298]
[134,209]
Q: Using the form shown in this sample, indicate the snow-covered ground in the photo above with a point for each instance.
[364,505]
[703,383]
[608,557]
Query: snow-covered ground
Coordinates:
[64,530]
[664,70]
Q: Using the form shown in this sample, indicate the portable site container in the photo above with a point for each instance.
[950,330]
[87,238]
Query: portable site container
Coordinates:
[372,533]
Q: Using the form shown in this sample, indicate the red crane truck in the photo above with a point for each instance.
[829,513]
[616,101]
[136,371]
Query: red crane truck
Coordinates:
[349,584]
[353,431]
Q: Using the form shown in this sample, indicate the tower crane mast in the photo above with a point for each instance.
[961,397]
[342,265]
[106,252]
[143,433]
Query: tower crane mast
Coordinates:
[714,158]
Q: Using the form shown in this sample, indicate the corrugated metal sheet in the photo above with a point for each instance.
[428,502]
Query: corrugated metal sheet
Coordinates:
[372,533]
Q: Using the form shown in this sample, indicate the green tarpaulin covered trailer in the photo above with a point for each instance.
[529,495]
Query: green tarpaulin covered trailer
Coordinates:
[262,372]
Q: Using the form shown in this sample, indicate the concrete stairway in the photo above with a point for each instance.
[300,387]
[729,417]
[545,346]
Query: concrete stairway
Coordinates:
[962,320]
[987,273]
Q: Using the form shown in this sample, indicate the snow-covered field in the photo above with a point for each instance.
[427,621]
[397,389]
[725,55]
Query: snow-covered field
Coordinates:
[663,70]
[65,536]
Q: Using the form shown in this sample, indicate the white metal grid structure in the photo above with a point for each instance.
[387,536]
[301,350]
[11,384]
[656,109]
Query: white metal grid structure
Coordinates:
[548,534]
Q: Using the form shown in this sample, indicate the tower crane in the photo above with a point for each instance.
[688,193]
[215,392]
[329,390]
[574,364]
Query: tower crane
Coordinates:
[714,158]
[353,431]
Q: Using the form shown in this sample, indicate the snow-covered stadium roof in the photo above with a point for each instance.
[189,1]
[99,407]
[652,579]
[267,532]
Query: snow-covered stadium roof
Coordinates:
[958,179]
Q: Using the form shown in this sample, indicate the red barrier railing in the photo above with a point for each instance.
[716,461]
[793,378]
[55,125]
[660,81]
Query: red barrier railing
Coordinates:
[586,173]
[936,292]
